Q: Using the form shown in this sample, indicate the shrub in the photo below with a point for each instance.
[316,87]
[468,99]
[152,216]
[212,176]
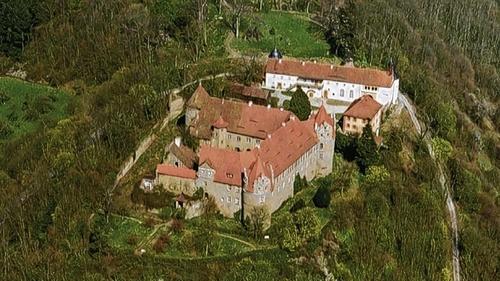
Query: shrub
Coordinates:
[150,222]
[298,205]
[177,225]
[180,214]
[322,197]
[161,243]
[166,213]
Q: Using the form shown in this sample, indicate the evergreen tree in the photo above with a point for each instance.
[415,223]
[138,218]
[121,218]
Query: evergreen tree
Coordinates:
[300,105]
[322,197]
[366,150]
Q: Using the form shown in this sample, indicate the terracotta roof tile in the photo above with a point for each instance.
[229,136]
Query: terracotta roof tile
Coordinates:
[220,123]
[187,156]
[364,107]
[244,119]
[323,117]
[248,91]
[199,97]
[319,71]
[287,144]
[171,170]
[226,163]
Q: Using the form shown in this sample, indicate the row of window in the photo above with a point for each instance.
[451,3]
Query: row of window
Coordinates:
[370,88]
[229,199]
[342,94]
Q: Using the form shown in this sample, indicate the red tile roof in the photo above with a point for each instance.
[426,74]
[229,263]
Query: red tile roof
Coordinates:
[225,162]
[244,119]
[319,71]
[248,91]
[364,107]
[284,147]
[185,154]
[323,117]
[220,123]
[287,145]
[171,170]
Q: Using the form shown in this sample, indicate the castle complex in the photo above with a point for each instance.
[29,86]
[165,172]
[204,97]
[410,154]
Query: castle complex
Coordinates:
[249,154]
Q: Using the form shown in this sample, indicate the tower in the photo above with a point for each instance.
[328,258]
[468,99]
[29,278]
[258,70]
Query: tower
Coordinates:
[324,127]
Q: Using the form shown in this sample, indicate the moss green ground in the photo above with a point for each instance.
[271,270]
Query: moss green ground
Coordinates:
[293,34]
[25,106]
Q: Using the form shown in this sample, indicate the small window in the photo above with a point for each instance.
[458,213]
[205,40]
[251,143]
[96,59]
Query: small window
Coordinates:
[236,201]
[249,139]
[342,92]
[351,94]
[229,175]
[238,138]
[229,199]
[320,146]
[228,136]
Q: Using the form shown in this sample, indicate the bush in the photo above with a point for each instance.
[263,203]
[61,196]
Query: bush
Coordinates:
[322,197]
[299,183]
[180,214]
[177,225]
[149,223]
[167,212]
[161,243]
[298,205]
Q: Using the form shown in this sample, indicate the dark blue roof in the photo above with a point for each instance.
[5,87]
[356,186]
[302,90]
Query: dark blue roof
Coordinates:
[275,54]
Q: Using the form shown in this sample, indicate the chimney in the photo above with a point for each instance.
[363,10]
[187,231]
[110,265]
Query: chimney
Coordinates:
[250,103]
[268,106]
[331,66]
[315,61]
[268,136]
[222,100]
[279,61]
[177,141]
[292,117]
[303,63]
[283,124]
[281,108]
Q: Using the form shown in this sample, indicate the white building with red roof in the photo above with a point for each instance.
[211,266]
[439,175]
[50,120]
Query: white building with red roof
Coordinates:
[330,84]
[262,174]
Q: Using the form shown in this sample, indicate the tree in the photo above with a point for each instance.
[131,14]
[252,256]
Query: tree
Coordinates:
[308,224]
[340,30]
[442,148]
[366,150]
[444,121]
[299,183]
[287,231]
[300,105]
[323,196]
[259,220]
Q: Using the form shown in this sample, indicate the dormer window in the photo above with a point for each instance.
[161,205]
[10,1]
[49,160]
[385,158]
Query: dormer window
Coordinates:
[229,175]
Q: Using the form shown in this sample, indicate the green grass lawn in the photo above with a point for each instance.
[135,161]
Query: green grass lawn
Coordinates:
[25,106]
[122,231]
[294,35]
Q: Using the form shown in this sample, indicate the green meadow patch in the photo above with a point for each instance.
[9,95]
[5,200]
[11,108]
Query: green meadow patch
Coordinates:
[292,34]
[25,106]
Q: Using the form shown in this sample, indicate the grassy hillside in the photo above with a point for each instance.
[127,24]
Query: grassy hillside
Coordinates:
[293,34]
[25,106]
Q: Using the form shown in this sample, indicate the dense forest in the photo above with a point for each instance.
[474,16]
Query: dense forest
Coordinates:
[116,59]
